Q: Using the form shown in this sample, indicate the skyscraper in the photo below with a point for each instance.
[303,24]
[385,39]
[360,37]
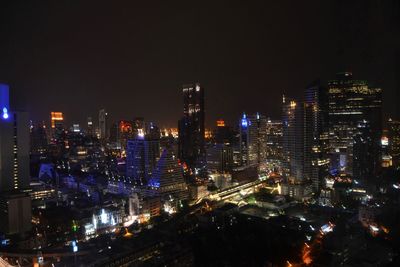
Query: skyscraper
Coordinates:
[316,130]
[38,138]
[274,140]
[15,211]
[253,139]
[167,179]
[142,155]
[57,126]
[103,124]
[90,127]
[191,126]
[293,140]
[355,126]
[394,141]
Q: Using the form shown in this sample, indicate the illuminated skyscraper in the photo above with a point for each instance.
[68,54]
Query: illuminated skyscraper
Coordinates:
[293,140]
[103,124]
[253,139]
[355,126]
[394,141]
[142,155]
[167,179]
[274,140]
[15,211]
[38,138]
[57,126]
[90,127]
[219,158]
[191,126]
[57,120]
[316,133]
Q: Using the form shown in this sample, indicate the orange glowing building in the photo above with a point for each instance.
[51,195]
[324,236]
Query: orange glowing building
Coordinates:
[220,123]
[56,117]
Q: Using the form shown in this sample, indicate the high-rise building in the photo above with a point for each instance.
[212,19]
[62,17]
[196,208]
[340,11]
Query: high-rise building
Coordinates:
[38,138]
[103,124]
[57,126]
[224,134]
[253,139]
[15,211]
[316,132]
[167,179]
[90,127]
[293,140]
[394,141]
[219,158]
[274,140]
[142,155]
[124,131]
[191,126]
[355,126]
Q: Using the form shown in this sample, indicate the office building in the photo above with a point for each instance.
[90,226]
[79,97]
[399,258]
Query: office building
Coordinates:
[103,124]
[57,127]
[293,141]
[253,139]
[90,127]
[393,132]
[355,126]
[167,179]
[14,151]
[274,140]
[316,132]
[219,158]
[15,209]
[191,126]
[38,138]
[142,155]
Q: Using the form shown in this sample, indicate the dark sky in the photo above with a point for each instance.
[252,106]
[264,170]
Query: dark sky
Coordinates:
[131,57]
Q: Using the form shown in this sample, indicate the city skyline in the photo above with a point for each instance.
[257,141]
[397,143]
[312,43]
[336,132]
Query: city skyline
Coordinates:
[192,134]
[242,55]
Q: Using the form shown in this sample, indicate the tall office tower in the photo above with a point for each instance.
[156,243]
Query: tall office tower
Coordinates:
[103,124]
[394,141]
[90,127]
[167,179]
[274,140]
[38,138]
[152,131]
[316,132]
[124,132]
[191,126]
[142,155]
[253,139]
[293,141]
[139,128]
[224,134]
[15,211]
[219,158]
[354,118]
[57,125]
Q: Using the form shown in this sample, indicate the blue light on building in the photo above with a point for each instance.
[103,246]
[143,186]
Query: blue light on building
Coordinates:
[244,121]
[5,113]
[4,101]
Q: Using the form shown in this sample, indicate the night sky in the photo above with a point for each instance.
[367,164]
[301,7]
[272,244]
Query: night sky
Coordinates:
[131,57]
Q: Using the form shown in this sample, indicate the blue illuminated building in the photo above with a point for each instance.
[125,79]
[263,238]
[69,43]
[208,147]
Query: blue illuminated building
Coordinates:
[167,179]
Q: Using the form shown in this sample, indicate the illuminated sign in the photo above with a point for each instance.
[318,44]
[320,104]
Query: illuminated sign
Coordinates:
[4,101]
